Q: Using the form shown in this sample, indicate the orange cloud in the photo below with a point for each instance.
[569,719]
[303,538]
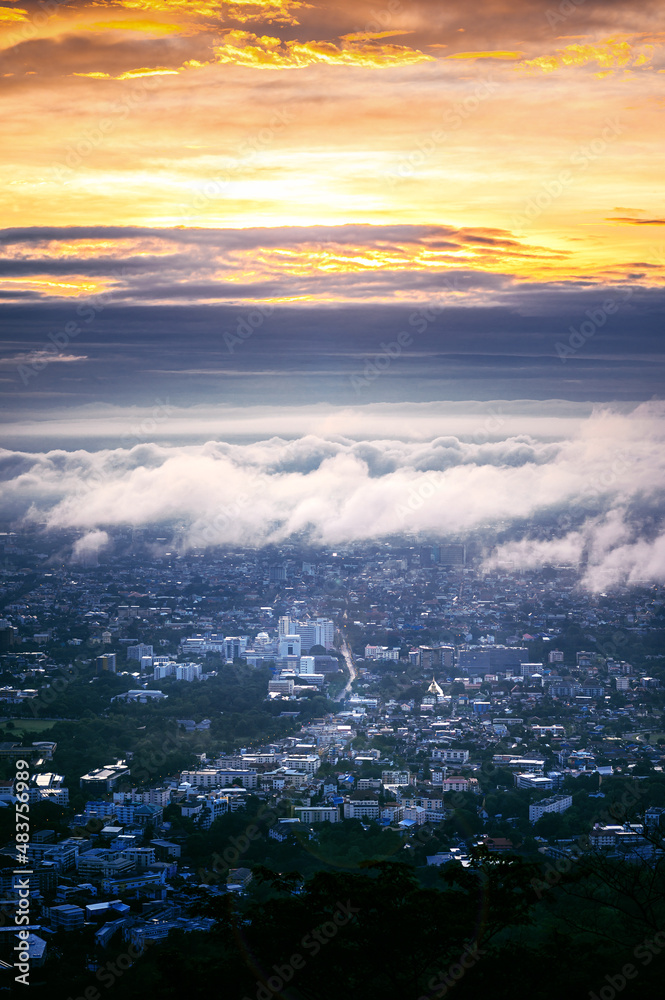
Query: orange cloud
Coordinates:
[131,74]
[281,11]
[266,52]
[12,14]
[387,263]
[486,55]
[366,36]
[610,54]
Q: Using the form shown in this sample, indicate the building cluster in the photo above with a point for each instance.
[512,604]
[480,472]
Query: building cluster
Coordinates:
[121,850]
[466,697]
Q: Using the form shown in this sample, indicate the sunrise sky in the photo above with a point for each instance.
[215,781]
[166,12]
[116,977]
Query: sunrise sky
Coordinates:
[229,214]
[512,139]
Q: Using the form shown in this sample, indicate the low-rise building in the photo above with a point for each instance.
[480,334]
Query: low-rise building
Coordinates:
[317,814]
[361,809]
[554,804]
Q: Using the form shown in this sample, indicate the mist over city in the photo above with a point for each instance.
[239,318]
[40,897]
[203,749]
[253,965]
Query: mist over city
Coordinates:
[332,479]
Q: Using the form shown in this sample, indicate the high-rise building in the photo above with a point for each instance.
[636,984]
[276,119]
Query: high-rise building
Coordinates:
[188,672]
[307,664]
[436,656]
[320,632]
[284,626]
[289,645]
[139,651]
[235,646]
[106,663]
[452,554]
[162,670]
[8,635]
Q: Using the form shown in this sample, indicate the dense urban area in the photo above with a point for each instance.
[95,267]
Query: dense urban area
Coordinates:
[317,773]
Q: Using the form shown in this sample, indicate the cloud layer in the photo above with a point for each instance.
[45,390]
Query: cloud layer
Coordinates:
[332,489]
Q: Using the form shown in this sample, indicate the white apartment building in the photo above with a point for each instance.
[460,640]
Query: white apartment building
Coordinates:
[318,814]
[555,804]
[163,670]
[307,762]
[216,777]
[528,780]
[381,653]
[451,756]
[456,783]
[361,809]
[188,672]
[396,777]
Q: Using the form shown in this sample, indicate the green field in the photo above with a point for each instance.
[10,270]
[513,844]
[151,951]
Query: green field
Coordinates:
[28,727]
[650,737]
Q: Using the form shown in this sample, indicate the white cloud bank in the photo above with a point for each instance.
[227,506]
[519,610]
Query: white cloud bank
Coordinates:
[607,551]
[336,488]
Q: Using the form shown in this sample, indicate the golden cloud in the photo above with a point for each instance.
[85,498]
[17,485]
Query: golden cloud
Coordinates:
[610,54]
[282,11]
[266,52]
[486,55]
[366,36]
[131,74]
[13,14]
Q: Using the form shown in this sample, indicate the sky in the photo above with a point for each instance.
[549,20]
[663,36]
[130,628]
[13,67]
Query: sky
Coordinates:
[287,249]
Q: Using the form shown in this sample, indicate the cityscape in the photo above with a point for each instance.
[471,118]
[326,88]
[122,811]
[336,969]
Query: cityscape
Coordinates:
[332,478]
[195,724]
